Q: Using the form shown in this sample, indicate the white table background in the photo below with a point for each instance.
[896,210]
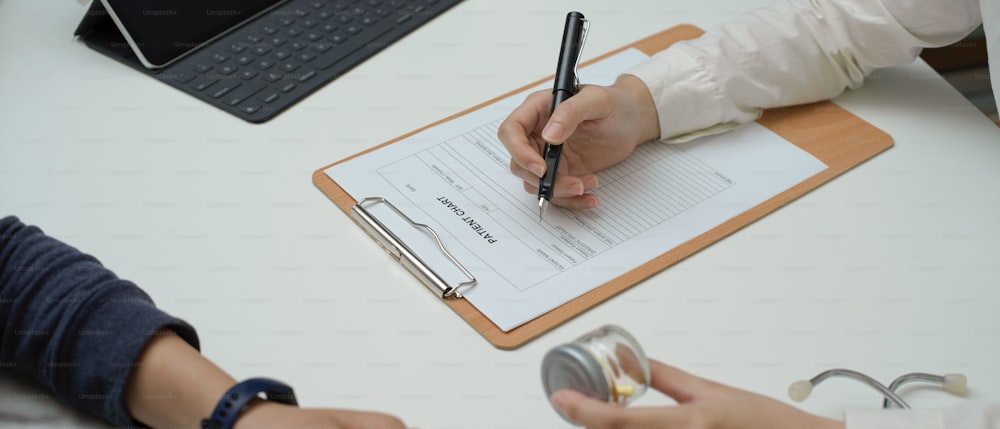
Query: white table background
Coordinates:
[889,269]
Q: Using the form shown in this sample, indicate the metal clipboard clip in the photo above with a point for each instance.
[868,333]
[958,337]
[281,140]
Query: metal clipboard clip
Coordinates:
[406,256]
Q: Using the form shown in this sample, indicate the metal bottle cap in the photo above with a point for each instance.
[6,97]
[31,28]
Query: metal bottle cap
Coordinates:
[570,366]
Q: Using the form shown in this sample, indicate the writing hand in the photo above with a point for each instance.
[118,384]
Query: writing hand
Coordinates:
[600,125]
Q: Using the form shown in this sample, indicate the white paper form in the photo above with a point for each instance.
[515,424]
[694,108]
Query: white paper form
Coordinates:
[455,178]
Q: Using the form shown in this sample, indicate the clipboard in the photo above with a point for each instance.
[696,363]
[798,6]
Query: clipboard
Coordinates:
[828,132]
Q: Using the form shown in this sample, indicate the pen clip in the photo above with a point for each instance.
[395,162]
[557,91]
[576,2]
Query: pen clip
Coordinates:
[579,53]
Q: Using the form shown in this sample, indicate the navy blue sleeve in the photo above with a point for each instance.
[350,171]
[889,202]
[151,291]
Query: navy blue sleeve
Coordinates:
[72,324]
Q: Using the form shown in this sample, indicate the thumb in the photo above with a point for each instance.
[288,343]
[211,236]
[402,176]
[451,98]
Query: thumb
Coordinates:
[592,102]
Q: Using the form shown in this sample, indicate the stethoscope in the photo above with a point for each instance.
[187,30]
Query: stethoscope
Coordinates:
[953,383]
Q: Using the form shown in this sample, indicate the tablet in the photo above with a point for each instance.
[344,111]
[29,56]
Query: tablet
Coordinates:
[162,31]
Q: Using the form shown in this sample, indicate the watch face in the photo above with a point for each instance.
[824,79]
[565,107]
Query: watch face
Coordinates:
[161,31]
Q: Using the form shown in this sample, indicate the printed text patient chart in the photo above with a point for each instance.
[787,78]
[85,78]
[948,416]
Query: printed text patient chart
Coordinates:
[455,178]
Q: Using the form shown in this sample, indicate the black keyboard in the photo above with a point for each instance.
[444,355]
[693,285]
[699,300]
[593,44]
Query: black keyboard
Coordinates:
[267,65]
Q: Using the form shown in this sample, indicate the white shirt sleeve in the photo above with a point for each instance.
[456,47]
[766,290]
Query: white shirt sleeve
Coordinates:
[794,52]
[965,415]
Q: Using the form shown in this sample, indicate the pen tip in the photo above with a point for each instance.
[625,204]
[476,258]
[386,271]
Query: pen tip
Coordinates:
[541,208]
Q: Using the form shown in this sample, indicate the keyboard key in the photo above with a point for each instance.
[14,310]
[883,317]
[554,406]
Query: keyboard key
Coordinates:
[244,92]
[202,67]
[338,39]
[307,75]
[203,83]
[276,41]
[244,60]
[224,88]
[313,36]
[219,57]
[264,64]
[237,47]
[382,12]
[297,45]
[293,32]
[300,13]
[344,19]
[184,77]
[288,87]
[317,4]
[308,23]
[270,29]
[269,96]
[280,55]
[253,38]
[250,108]
[286,21]
[247,74]
[324,15]
[261,50]
[305,57]
[353,29]
[288,67]
[273,76]
[403,18]
[322,46]
[329,27]
[227,70]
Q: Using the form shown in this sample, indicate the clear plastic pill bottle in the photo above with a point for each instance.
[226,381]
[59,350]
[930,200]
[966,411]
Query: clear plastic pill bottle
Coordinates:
[606,364]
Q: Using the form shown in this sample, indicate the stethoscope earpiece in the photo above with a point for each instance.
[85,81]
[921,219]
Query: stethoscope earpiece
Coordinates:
[956,384]
[800,390]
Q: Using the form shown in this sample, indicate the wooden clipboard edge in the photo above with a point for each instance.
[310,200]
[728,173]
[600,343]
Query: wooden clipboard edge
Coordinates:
[835,136]
[870,142]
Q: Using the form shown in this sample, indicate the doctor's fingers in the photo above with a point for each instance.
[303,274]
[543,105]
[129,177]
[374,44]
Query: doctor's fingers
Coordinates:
[595,414]
[566,185]
[519,132]
[585,201]
[592,102]
[678,384]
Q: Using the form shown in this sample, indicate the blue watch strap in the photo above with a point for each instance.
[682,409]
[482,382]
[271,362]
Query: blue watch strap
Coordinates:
[238,396]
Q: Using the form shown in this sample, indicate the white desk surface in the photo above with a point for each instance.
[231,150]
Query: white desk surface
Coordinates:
[889,269]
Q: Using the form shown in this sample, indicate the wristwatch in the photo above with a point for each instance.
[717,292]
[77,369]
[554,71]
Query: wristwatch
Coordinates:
[229,407]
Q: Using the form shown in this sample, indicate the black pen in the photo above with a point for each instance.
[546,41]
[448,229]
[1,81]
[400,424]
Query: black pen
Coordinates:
[565,87]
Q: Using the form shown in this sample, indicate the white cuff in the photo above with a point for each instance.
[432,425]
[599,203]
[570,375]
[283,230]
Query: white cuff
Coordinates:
[688,99]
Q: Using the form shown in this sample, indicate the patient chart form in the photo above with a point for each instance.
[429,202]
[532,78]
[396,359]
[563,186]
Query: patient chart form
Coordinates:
[455,178]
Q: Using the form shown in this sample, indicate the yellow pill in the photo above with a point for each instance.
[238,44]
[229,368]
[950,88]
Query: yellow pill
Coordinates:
[624,390]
